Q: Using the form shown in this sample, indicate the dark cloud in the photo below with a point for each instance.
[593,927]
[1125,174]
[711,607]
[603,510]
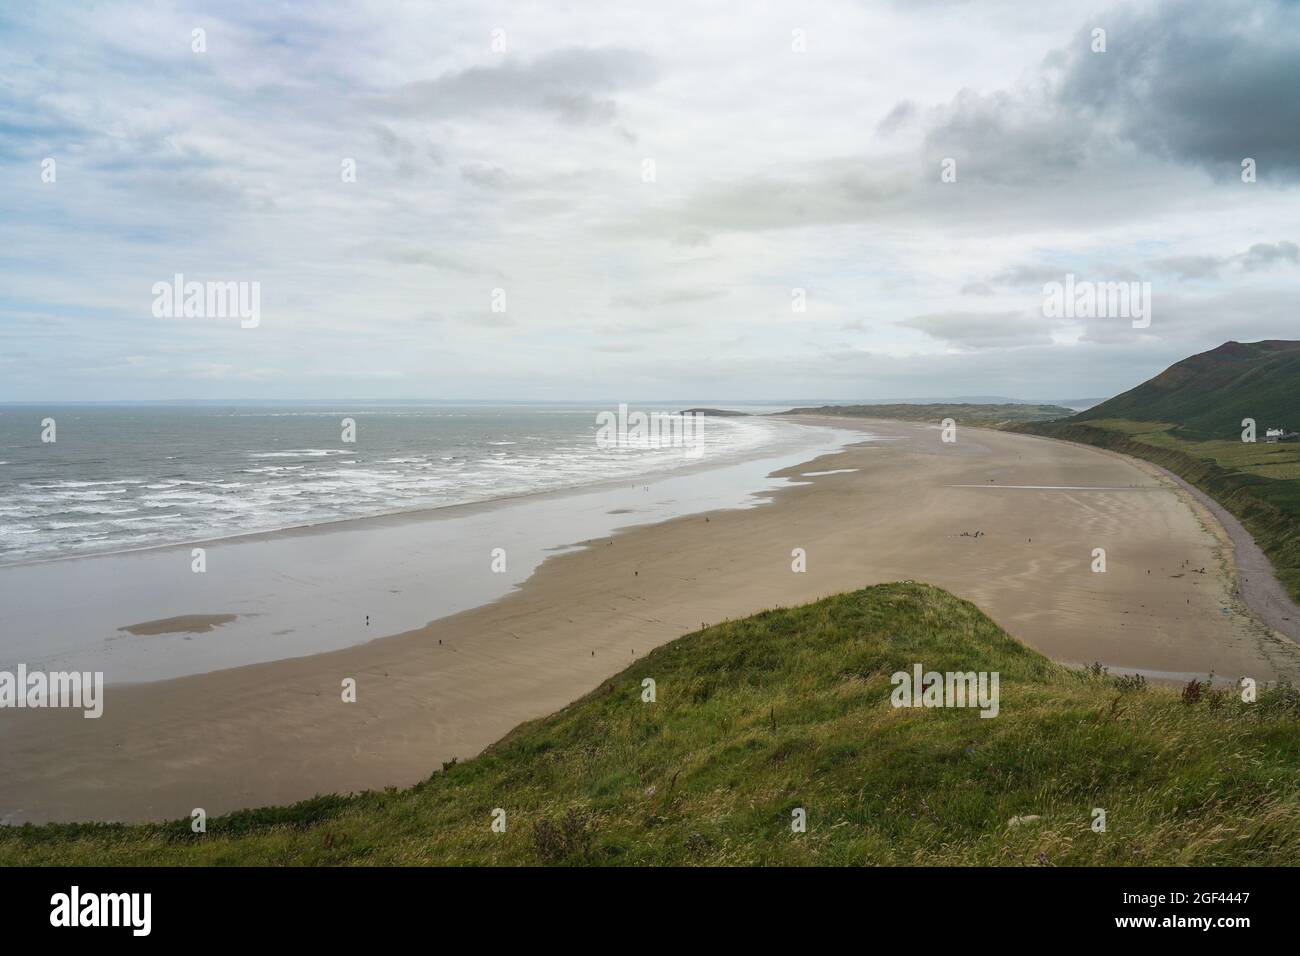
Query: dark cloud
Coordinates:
[824,193]
[574,85]
[409,255]
[1073,144]
[1029,275]
[1008,138]
[983,330]
[1189,267]
[1187,82]
[486,175]
[897,118]
[692,237]
[406,155]
[1259,256]
[1199,83]
[1263,254]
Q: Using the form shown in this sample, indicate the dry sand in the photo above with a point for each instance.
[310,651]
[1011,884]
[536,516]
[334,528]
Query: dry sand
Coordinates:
[278,732]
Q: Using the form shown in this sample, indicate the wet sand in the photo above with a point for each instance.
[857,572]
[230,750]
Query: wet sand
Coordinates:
[183,624]
[907,508]
[318,588]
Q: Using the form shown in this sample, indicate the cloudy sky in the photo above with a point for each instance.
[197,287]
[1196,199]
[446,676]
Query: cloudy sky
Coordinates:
[510,146]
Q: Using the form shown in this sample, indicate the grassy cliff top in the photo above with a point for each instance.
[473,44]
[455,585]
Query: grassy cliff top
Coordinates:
[791,709]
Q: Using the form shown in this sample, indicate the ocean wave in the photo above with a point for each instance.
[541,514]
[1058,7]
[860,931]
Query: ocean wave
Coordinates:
[200,490]
[302,453]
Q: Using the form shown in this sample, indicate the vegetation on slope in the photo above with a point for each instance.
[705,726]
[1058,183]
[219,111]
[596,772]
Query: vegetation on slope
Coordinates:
[791,709]
[1206,396]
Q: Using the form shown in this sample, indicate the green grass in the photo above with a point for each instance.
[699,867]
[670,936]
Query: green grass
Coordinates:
[1256,458]
[787,709]
[963,413]
[1256,481]
[1209,394]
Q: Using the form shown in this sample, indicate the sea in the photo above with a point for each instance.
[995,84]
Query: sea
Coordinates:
[122,477]
[309,527]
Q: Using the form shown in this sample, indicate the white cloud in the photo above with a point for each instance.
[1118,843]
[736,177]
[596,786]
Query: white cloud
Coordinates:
[524,170]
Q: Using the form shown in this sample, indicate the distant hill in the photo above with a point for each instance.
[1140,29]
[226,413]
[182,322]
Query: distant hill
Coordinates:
[1076,403]
[963,413]
[715,412]
[1206,396]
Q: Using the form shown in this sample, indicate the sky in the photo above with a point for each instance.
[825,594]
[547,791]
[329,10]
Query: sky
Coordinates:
[618,201]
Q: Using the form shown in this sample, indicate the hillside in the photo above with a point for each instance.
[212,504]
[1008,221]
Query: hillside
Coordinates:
[1209,394]
[1188,419]
[963,413]
[791,709]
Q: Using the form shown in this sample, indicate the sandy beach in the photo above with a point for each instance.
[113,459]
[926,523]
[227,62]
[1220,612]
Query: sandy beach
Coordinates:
[1007,521]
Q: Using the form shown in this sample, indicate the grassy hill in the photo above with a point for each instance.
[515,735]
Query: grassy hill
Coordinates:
[1188,419]
[1207,396]
[963,413]
[790,709]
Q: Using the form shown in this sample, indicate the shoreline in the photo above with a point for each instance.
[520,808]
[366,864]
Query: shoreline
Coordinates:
[277,732]
[423,511]
[311,589]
